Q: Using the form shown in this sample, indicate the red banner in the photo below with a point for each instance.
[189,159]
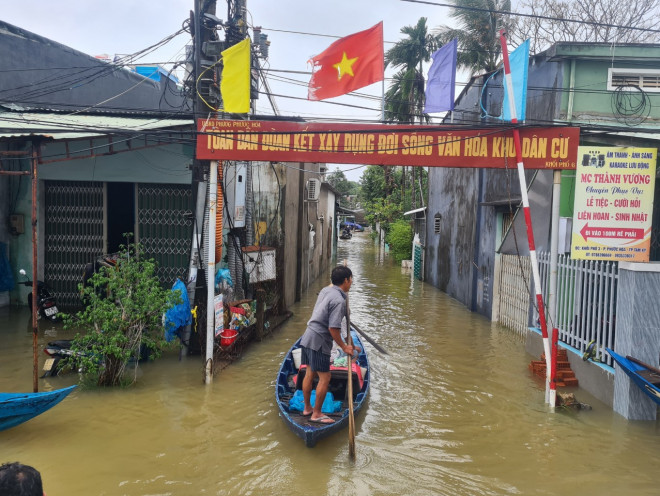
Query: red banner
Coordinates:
[379,144]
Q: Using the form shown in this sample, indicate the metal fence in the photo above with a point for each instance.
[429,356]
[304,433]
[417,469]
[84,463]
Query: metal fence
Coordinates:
[586,299]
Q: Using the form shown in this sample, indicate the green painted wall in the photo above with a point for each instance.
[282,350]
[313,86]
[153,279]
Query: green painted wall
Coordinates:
[166,164]
[567,195]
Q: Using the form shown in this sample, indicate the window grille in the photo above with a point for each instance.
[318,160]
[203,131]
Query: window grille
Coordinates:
[645,79]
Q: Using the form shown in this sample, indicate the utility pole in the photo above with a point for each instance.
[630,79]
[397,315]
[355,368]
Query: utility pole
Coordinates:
[207,102]
[203,25]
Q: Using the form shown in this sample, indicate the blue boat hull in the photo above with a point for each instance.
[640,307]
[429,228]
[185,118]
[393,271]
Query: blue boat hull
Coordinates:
[300,425]
[16,408]
[634,371]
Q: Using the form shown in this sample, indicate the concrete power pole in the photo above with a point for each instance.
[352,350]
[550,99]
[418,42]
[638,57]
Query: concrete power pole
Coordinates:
[203,25]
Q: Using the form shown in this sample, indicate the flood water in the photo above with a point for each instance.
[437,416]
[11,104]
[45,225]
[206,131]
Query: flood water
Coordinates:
[453,410]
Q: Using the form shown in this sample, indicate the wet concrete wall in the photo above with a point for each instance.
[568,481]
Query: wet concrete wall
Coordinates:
[451,229]
[304,236]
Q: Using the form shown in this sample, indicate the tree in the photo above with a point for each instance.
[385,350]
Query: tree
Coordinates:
[479,23]
[120,320]
[404,100]
[557,21]
[372,184]
[380,210]
[338,180]
[400,238]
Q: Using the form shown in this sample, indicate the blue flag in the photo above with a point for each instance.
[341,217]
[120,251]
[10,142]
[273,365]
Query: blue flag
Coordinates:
[442,79]
[518,62]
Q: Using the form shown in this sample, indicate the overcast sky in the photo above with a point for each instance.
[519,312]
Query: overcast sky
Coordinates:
[127,26]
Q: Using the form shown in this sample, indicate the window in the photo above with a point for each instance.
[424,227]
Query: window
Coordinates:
[436,224]
[645,79]
[507,220]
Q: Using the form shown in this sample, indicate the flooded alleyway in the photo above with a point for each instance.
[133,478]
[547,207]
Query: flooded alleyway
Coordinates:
[453,410]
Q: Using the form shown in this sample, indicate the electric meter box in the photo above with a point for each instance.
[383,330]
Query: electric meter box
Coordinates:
[235,189]
[259,263]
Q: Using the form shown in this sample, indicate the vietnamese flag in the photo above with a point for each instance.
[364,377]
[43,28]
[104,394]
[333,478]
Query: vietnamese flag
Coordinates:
[348,64]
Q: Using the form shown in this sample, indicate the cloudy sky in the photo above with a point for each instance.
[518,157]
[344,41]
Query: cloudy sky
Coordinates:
[294,28]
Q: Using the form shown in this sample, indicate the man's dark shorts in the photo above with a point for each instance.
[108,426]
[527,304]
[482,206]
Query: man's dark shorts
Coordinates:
[315,360]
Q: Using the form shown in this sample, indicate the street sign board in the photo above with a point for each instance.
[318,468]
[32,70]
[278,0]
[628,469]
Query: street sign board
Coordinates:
[613,208]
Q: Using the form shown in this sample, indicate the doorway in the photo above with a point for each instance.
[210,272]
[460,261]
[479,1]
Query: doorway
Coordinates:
[120,215]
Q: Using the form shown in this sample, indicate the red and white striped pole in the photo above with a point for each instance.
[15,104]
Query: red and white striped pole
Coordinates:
[550,386]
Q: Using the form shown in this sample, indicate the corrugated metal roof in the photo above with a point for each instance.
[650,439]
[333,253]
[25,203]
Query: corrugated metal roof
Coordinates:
[70,126]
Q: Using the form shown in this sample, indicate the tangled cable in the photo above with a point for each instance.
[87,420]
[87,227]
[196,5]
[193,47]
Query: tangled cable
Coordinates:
[630,105]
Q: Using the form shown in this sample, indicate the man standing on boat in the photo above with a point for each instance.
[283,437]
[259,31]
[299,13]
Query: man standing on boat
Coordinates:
[323,328]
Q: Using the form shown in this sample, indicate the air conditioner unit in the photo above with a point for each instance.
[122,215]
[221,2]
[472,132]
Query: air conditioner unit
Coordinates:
[313,190]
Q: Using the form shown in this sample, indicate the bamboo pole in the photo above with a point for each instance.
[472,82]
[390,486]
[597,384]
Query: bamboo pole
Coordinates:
[35,303]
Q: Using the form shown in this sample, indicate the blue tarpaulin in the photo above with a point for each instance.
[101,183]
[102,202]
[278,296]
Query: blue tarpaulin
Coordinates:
[297,404]
[179,315]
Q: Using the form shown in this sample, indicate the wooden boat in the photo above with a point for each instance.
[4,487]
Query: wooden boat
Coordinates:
[645,376]
[289,379]
[16,408]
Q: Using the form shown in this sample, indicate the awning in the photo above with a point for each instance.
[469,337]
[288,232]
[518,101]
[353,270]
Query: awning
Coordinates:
[410,212]
[71,126]
[344,211]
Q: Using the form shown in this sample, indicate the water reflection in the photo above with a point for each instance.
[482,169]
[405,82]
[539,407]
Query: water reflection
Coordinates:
[452,410]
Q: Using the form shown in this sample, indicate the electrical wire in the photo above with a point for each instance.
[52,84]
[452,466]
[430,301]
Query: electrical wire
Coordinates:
[630,105]
[534,16]
[57,83]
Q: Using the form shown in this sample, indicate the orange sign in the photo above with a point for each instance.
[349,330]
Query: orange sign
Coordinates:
[381,144]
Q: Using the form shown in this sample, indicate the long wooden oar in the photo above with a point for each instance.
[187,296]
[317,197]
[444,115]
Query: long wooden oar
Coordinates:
[349,384]
[638,362]
[349,363]
[370,340]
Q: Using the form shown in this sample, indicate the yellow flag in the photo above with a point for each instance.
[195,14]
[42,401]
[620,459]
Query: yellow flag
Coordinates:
[235,84]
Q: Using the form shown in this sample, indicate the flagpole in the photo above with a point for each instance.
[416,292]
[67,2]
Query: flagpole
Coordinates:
[528,218]
[382,114]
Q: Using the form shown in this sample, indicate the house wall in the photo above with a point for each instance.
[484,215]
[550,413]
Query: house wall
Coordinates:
[453,197]
[73,80]
[460,260]
[544,105]
[300,259]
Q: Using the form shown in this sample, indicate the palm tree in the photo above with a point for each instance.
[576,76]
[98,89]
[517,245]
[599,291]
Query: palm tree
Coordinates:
[404,100]
[479,22]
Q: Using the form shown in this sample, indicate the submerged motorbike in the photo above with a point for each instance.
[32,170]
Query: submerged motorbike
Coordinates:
[57,351]
[46,304]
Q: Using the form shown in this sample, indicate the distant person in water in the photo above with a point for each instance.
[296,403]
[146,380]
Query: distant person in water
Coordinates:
[323,328]
[17,479]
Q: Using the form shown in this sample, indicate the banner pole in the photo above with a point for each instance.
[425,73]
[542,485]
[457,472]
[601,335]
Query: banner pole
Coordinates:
[382,113]
[528,218]
[210,272]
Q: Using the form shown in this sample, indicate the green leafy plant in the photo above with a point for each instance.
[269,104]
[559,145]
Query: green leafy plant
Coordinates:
[400,237]
[122,318]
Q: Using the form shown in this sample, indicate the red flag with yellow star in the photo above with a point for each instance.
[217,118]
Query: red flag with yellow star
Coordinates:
[348,64]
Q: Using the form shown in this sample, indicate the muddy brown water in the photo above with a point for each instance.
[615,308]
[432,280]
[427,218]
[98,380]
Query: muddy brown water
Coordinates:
[453,410]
